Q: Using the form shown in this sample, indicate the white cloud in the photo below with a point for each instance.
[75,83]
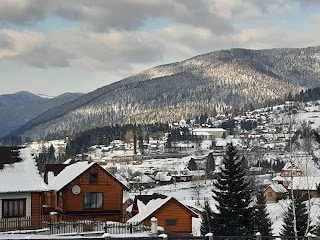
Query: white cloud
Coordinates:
[108,36]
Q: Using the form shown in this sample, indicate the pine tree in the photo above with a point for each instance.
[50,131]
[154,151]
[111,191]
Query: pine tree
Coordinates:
[302,220]
[262,221]
[207,223]
[235,217]
[210,164]
[192,165]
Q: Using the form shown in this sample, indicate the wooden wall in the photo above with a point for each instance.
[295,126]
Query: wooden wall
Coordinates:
[106,183]
[36,209]
[174,211]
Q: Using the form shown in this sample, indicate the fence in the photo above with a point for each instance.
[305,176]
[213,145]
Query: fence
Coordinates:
[24,223]
[95,226]
[61,227]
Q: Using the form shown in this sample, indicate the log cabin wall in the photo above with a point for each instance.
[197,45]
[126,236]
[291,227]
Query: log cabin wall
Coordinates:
[112,189]
[170,213]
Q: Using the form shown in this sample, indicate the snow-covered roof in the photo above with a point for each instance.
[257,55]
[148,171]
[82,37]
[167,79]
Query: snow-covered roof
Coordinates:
[256,169]
[209,130]
[145,210]
[163,177]
[304,183]
[279,178]
[142,179]
[22,176]
[197,173]
[278,188]
[68,174]
[290,166]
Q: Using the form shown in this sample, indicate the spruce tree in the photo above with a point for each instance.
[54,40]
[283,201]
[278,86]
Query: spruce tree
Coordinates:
[207,223]
[192,165]
[302,220]
[210,164]
[235,217]
[262,222]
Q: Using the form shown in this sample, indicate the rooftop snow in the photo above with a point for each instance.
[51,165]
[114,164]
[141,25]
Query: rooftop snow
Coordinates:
[22,176]
[278,188]
[68,174]
[145,210]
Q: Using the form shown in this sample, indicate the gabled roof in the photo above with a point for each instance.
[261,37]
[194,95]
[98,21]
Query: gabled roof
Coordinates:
[163,177]
[73,171]
[149,204]
[304,183]
[19,172]
[142,179]
[278,188]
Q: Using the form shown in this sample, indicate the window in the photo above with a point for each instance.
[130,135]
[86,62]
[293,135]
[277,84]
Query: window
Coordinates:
[13,208]
[60,199]
[93,178]
[171,222]
[93,200]
[270,194]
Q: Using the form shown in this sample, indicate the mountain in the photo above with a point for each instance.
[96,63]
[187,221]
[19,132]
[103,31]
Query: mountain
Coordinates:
[19,108]
[205,83]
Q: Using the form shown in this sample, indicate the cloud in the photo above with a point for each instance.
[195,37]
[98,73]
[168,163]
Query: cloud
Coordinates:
[112,36]
[115,15]
[25,12]
[122,53]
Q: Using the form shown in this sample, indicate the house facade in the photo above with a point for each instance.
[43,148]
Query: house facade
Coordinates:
[290,169]
[209,133]
[21,190]
[85,190]
[172,215]
[274,192]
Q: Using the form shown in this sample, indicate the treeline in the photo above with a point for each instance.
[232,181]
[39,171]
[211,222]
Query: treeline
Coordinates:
[105,135]
[312,94]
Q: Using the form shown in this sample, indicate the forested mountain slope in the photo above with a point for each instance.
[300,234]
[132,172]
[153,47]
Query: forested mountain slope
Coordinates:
[19,108]
[206,83]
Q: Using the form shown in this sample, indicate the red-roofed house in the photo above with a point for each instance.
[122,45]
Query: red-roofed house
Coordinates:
[85,190]
[171,214]
[21,189]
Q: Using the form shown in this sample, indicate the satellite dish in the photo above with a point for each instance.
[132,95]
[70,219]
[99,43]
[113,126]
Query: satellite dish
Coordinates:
[76,189]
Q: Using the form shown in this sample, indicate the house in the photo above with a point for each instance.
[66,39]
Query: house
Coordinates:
[274,192]
[85,190]
[21,189]
[141,182]
[172,215]
[209,133]
[163,178]
[291,169]
[304,186]
[256,171]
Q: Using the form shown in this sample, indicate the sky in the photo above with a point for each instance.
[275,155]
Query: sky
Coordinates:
[56,46]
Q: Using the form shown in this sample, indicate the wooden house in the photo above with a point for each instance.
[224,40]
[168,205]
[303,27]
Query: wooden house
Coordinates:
[304,186]
[21,189]
[172,215]
[291,169]
[85,190]
[274,192]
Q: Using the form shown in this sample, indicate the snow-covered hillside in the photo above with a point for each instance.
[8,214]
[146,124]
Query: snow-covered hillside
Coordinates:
[205,83]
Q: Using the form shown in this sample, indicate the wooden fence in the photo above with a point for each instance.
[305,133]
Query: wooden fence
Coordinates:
[23,223]
[61,227]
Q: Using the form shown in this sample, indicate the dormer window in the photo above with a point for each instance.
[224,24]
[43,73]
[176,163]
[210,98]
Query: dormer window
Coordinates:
[93,178]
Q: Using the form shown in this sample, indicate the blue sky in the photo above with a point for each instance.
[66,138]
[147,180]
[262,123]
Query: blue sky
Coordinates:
[51,47]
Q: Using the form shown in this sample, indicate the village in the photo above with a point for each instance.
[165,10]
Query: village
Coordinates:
[112,189]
